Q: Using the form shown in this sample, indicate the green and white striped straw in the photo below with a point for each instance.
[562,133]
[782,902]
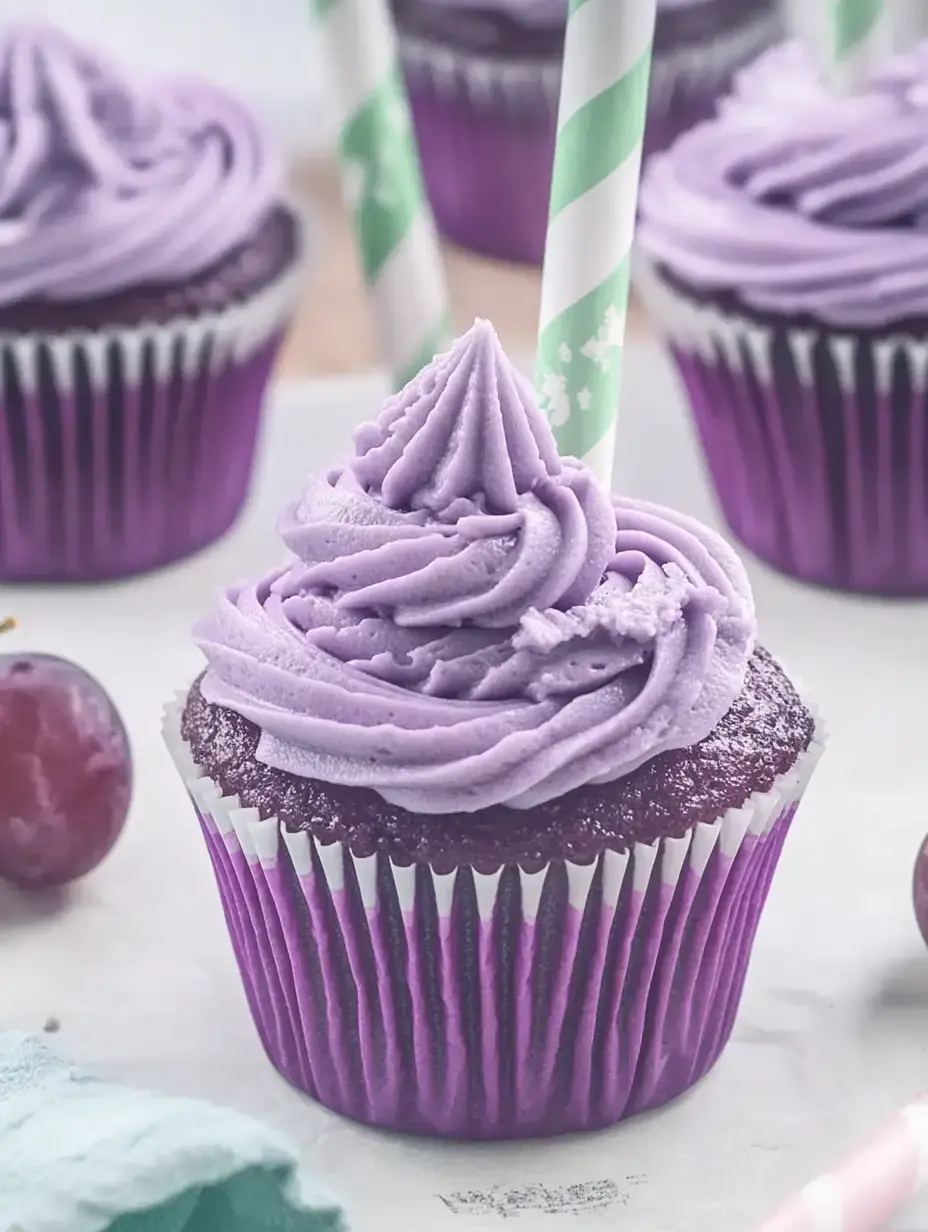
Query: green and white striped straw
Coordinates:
[594,198]
[861,34]
[396,236]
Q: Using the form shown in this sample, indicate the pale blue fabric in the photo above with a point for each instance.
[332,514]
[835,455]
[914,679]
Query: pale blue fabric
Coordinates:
[81,1155]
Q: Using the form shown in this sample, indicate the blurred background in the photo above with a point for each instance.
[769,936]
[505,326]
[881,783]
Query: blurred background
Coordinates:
[266,51]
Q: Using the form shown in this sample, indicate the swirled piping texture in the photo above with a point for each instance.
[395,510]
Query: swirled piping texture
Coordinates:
[467,620]
[802,201]
[106,185]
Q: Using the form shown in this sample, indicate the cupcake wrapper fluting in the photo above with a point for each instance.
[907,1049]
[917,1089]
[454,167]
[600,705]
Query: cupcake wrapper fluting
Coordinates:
[122,450]
[487,174]
[492,1006]
[486,130]
[817,441]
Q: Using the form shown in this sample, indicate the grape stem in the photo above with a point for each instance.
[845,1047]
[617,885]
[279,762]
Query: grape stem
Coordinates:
[7,624]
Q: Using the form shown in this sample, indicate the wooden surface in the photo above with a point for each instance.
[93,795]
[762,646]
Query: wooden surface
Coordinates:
[333,333]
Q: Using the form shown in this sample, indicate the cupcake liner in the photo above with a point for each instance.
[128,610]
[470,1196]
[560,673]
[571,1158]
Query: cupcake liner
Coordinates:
[815,440]
[492,1005]
[508,88]
[485,131]
[487,175]
[125,449]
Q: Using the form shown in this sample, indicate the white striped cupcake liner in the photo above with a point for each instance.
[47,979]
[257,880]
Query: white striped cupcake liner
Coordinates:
[816,439]
[124,449]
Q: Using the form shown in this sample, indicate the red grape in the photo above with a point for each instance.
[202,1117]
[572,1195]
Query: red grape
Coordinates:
[920,889]
[65,771]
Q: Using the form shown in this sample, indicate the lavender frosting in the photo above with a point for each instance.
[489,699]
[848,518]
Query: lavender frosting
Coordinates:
[466,619]
[107,184]
[801,201]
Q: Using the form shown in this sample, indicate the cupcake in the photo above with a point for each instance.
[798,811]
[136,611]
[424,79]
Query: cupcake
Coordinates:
[493,776]
[148,269]
[783,249]
[484,81]
[483,78]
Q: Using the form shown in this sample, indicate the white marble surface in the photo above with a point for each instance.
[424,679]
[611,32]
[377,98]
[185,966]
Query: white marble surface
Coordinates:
[834,1028]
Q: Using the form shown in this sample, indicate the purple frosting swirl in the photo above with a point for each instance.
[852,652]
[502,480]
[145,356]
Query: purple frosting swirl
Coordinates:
[801,201]
[106,184]
[467,619]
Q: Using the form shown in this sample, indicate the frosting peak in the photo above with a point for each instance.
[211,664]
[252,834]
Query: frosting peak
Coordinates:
[468,620]
[467,430]
[457,502]
[105,184]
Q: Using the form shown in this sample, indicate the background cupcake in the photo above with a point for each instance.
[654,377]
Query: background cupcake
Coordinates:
[484,79]
[785,252]
[484,82]
[492,834]
[148,268]
[698,46]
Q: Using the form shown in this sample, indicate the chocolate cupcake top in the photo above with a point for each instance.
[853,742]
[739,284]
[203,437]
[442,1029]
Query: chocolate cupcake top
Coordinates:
[107,184]
[466,619]
[504,29]
[760,738]
[802,202]
[538,14]
[697,25]
[513,29]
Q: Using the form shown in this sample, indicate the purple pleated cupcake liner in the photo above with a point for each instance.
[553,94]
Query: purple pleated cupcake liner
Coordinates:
[816,441]
[503,1005]
[487,176]
[127,449]
[486,130]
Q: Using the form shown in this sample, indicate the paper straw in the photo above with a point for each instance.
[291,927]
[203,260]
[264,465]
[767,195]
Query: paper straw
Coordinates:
[382,183]
[870,1186]
[861,34]
[910,24]
[594,194]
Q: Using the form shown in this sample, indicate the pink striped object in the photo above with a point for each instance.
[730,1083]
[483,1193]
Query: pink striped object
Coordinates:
[870,1186]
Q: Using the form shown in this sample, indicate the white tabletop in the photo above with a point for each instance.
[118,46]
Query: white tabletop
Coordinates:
[833,1032]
